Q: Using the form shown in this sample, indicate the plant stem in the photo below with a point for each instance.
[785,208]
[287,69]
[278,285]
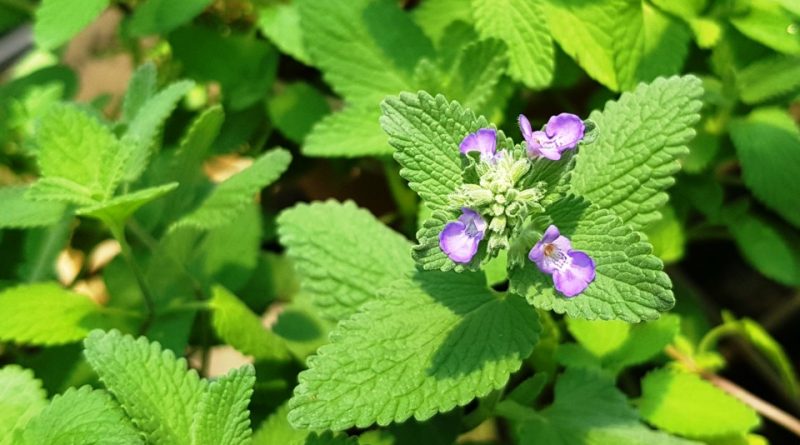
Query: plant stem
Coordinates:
[761,406]
[712,337]
[118,231]
[484,410]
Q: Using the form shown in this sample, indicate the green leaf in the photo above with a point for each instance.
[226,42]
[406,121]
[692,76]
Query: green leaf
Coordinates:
[79,157]
[770,250]
[351,132]
[339,41]
[666,45]
[343,255]
[589,409]
[478,70]
[518,23]
[20,212]
[772,350]
[245,67]
[141,88]
[239,327]
[41,249]
[685,404]
[57,21]
[155,389]
[605,38]
[277,430]
[767,22]
[640,137]
[329,438]
[667,237]
[297,107]
[162,16]
[425,347]
[768,78]
[425,132]
[223,417]
[618,345]
[629,284]
[46,314]
[81,416]
[768,144]
[228,200]
[434,16]
[116,211]
[140,136]
[21,398]
[281,24]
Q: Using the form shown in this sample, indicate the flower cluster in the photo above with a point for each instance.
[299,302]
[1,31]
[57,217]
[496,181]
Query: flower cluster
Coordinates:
[496,205]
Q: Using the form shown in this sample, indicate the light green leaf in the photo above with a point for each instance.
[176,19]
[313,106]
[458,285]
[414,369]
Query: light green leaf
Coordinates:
[427,346]
[434,16]
[343,255]
[340,44]
[141,88]
[629,284]
[46,314]
[224,417]
[618,345]
[301,325]
[772,350]
[666,45]
[81,416]
[768,144]
[765,246]
[768,23]
[277,430]
[78,156]
[239,327]
[162,16]
[57,21]
[426,132]
[685,404]
[116,211]
[351,132]
[588,410]
[229,199]
[280,22]
[329,438]
[477,71]
[20,212]
[139,138]
[667,237]
[640,137]
[518,23]
[605,38]
[768,78]
[297,107]
[21,398]
[155,389]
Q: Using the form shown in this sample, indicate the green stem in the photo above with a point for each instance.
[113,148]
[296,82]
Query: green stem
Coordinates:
[118,231]
[712,337]
[484,411]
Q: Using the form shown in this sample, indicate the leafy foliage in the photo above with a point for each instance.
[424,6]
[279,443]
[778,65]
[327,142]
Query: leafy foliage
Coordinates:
[21,398]
[46,314]
[640,138]
[20,212]
[57,21]
[428,345]
[223,418]
[685,404]
[342,254]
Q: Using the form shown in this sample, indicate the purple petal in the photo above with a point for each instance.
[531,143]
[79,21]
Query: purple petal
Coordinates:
[565,129]
[576,276]
[455,242]
[483,141]
[525,126]
[469,216]
[539,145]
[550,234]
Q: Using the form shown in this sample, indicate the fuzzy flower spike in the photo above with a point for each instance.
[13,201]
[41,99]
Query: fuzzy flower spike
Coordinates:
[561,133]
[459,239]
[483,141]
[572,270]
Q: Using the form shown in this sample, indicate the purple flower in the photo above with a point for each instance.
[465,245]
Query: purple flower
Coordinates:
[562,132]
[572,270]
[459,239]
[483,141]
